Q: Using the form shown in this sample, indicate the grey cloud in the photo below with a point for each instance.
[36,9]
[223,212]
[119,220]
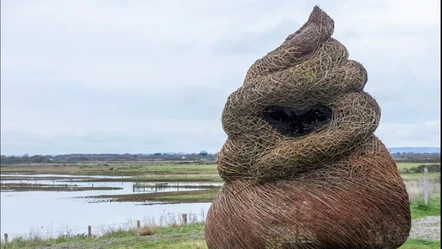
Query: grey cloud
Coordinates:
[60,100]
[256,43]
[412,134]
[403,96]
[101,76]
[350,34]
[138,141]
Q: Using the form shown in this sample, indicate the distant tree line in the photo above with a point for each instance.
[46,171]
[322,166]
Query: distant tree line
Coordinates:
[202,156]
[432,168]
[77,158]
[416,157]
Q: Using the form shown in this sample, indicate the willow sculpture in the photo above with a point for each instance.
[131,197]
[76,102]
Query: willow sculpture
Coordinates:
[302,166]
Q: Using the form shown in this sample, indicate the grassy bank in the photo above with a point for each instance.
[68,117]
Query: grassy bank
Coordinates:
[108,170]
[188,237]
[23,187]
[169,197]
[178,237]
[131,172]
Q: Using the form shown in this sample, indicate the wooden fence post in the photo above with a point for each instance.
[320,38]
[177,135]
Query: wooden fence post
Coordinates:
[6,238]
[426,186]
[184,219]
[89,231]
[138,224]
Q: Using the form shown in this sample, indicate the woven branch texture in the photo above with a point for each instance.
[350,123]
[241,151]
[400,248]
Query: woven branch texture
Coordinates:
[302,166]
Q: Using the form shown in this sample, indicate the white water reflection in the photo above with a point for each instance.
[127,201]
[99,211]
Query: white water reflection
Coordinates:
[51,213]
[74,182]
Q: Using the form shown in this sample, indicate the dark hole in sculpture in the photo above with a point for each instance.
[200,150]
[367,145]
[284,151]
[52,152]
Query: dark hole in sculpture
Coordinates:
[297,122]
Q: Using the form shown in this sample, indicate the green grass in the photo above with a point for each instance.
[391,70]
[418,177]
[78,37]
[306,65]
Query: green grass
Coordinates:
[190,196]
[179,178]
[411,165]
[410,170]
[419,209]
[181,169]
[177,237]
[111,170]
[207,196]
[171,173]
[420,244]
[164,169]
[412,176]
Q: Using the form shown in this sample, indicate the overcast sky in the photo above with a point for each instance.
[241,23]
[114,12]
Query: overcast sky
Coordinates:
[139,76]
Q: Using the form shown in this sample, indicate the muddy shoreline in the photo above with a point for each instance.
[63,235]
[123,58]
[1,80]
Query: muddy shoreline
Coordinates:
[191,196]
[25,187]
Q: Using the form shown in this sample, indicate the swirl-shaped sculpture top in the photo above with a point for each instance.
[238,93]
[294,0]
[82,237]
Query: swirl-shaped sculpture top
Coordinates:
[310,72]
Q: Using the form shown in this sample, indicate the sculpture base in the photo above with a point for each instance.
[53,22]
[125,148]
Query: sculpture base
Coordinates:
[360,202]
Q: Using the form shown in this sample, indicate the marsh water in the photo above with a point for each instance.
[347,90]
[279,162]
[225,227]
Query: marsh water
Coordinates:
[51,213]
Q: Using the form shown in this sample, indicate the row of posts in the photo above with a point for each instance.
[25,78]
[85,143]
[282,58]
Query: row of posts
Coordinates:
[89,228]
[426,186]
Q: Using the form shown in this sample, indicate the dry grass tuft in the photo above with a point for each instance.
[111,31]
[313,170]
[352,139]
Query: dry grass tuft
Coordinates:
[146,231]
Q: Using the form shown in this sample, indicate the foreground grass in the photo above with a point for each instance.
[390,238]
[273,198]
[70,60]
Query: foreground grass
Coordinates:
[188,237]
[419,209]
[421,244]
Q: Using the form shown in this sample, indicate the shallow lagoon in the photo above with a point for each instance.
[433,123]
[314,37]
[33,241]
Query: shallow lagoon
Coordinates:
[51,213]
